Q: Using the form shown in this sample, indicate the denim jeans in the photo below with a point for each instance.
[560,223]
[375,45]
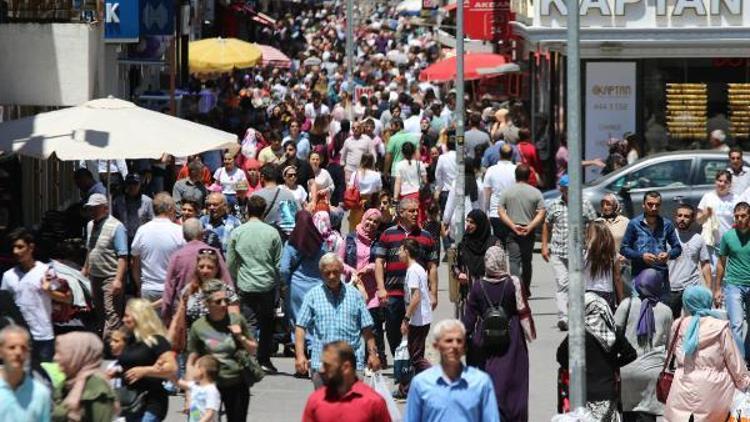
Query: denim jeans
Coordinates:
[378,317]
[737,300]
[259,312]
[392,314]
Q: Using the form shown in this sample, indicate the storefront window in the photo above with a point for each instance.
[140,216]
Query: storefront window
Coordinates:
[679,91]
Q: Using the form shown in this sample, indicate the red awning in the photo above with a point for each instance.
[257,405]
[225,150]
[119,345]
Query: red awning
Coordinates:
[445,70]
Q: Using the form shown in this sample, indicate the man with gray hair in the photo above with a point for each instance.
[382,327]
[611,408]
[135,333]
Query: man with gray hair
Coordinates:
[181,268]
[153,245]
[390,272]
[218,223]
[22,398]
[333,311]
[455,391]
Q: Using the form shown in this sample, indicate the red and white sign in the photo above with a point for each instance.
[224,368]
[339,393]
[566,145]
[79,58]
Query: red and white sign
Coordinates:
[360,91]
[487,19]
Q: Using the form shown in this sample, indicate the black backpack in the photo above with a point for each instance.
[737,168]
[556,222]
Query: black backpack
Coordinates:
[495,325]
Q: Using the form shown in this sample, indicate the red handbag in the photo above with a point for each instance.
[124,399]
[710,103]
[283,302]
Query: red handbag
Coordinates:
[666,376]
[352,195]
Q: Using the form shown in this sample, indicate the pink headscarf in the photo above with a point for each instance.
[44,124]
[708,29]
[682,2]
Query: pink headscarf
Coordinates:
[80,353]
[363,235]
[331,238]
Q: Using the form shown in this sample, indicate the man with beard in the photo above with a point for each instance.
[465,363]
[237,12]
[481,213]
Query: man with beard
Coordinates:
[344,393]
[693,264]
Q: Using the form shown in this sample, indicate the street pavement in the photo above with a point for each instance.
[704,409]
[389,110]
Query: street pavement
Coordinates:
[282,397]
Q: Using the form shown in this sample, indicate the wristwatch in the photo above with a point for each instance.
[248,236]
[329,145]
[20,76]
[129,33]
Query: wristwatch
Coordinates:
[406,319]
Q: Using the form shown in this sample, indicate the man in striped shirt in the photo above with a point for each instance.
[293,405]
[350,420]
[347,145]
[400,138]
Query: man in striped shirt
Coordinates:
[390,272]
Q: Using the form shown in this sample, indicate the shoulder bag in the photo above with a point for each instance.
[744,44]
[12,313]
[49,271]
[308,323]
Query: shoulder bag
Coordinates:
[666,376]
[352,194]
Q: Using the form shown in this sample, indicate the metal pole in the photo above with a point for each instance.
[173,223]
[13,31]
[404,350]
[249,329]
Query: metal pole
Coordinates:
[350,55]
[577,348]
[460,113]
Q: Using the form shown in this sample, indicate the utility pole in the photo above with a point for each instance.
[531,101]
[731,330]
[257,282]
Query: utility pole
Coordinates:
[350,55]
[577,338]
[460,114]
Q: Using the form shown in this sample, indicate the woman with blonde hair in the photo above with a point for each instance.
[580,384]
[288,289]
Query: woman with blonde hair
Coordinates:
[146,361]
[602,268]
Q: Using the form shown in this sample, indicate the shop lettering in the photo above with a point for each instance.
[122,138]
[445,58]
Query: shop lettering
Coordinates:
[699,7]
[612,90]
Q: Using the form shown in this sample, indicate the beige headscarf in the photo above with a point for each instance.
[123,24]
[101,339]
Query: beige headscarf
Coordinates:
[80,354]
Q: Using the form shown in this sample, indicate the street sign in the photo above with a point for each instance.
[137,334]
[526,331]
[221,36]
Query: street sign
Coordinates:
[121,23]
[487,19]
[157,17]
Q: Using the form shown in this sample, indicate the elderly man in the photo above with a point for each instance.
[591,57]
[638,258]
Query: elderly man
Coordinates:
[181,268]
[132,208]
[344,393]
[153,245]
[451,391]
[253,258]
[22,398]
[192,186]
[333,311]
[218,223]
[106,262]
[390,272]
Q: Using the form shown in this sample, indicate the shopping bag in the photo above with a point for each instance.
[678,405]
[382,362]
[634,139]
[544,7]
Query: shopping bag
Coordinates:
[402,368]
[579,415]
[740,410]
[377,383]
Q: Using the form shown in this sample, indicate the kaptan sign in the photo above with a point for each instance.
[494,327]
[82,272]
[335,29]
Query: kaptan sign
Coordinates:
[619,7]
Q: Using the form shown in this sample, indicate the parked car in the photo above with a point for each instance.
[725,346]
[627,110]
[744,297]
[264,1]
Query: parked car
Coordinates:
[680,176]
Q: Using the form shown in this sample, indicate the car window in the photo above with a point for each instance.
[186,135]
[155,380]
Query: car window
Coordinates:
[709,168]
[665,174]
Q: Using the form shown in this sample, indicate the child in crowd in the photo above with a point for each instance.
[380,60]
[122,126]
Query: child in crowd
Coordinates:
[416,323]
[117,341]
[203,395]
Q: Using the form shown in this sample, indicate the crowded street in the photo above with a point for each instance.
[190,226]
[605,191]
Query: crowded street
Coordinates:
[393,211]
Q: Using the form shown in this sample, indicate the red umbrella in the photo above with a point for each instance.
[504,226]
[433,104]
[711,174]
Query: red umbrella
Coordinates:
[445,70]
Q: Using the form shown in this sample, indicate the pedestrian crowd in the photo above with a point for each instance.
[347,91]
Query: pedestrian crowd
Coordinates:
[321,233]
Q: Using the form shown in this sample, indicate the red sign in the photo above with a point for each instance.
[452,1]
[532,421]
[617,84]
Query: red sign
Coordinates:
[360,91]
[487,19]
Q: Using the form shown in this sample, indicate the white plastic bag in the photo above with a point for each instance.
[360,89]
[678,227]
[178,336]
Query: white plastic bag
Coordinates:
[579,415]
[377,383]
[402,369]
[740,410]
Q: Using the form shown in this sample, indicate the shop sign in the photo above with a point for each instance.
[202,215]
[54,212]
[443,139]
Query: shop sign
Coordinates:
[121,21]
[487,19]
[619,7]
[157,17]
[610,105]
[360,91]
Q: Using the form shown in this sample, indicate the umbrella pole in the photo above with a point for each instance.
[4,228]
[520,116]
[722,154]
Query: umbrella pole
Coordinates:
[109,186]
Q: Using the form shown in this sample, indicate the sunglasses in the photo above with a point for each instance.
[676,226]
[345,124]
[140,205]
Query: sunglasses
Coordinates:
[206,251]
[222,301]
[291,175]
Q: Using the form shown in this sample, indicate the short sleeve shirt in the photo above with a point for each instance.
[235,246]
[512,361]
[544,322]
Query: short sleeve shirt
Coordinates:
[33,302]
[736,247]
[684,271]
[214,338]
[202,399]
[521,201]
[416,278]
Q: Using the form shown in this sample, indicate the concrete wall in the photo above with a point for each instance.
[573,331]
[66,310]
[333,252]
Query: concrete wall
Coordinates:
[49,64]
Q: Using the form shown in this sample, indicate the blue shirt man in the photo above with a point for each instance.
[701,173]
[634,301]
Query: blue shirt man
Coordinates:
[22,398]
[646,238]
[451,392]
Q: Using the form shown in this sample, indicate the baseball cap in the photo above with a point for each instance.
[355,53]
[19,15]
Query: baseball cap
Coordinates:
[95,200]
[564,181]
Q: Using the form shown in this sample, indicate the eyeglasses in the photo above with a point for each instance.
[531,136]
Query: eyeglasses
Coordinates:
[206,251]
[222,301]
[291,175]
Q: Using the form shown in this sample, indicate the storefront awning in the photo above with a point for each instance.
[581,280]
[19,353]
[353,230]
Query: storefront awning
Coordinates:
[644,42]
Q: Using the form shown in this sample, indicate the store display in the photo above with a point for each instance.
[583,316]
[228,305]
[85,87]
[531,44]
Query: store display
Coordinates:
[739,109]
[687,106]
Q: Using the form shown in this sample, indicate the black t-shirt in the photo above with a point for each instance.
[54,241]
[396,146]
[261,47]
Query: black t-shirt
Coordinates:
[138,353]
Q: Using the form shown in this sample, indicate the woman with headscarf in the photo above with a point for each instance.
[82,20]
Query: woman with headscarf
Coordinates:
[646,323]
[86,394]
[612,217]
[606,352]
[709,365]
[509,368]
[471,251]
[357,256]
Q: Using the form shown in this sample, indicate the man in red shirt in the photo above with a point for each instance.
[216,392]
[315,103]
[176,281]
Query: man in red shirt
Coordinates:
[344,395]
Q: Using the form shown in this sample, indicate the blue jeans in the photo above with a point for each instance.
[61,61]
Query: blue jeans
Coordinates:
[392,315]
[737,300]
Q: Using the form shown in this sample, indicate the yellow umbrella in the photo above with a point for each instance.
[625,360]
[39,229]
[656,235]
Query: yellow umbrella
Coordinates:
[213,55]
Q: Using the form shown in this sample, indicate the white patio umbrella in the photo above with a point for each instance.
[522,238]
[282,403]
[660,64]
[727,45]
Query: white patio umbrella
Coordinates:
[109,129]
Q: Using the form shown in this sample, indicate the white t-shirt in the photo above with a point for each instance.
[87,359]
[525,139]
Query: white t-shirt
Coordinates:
[34,303]
[416,278]
[600,283]
[369,182]
[154,243]
[408,173]
[324,180]
[723,208]
[228,181]
[300,194]
[203,398]
[499,177]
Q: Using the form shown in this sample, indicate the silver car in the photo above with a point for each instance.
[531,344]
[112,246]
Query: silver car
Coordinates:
[680,176]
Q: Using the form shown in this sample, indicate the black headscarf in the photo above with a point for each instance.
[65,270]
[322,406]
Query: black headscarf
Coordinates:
[305,237]
[474,245]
